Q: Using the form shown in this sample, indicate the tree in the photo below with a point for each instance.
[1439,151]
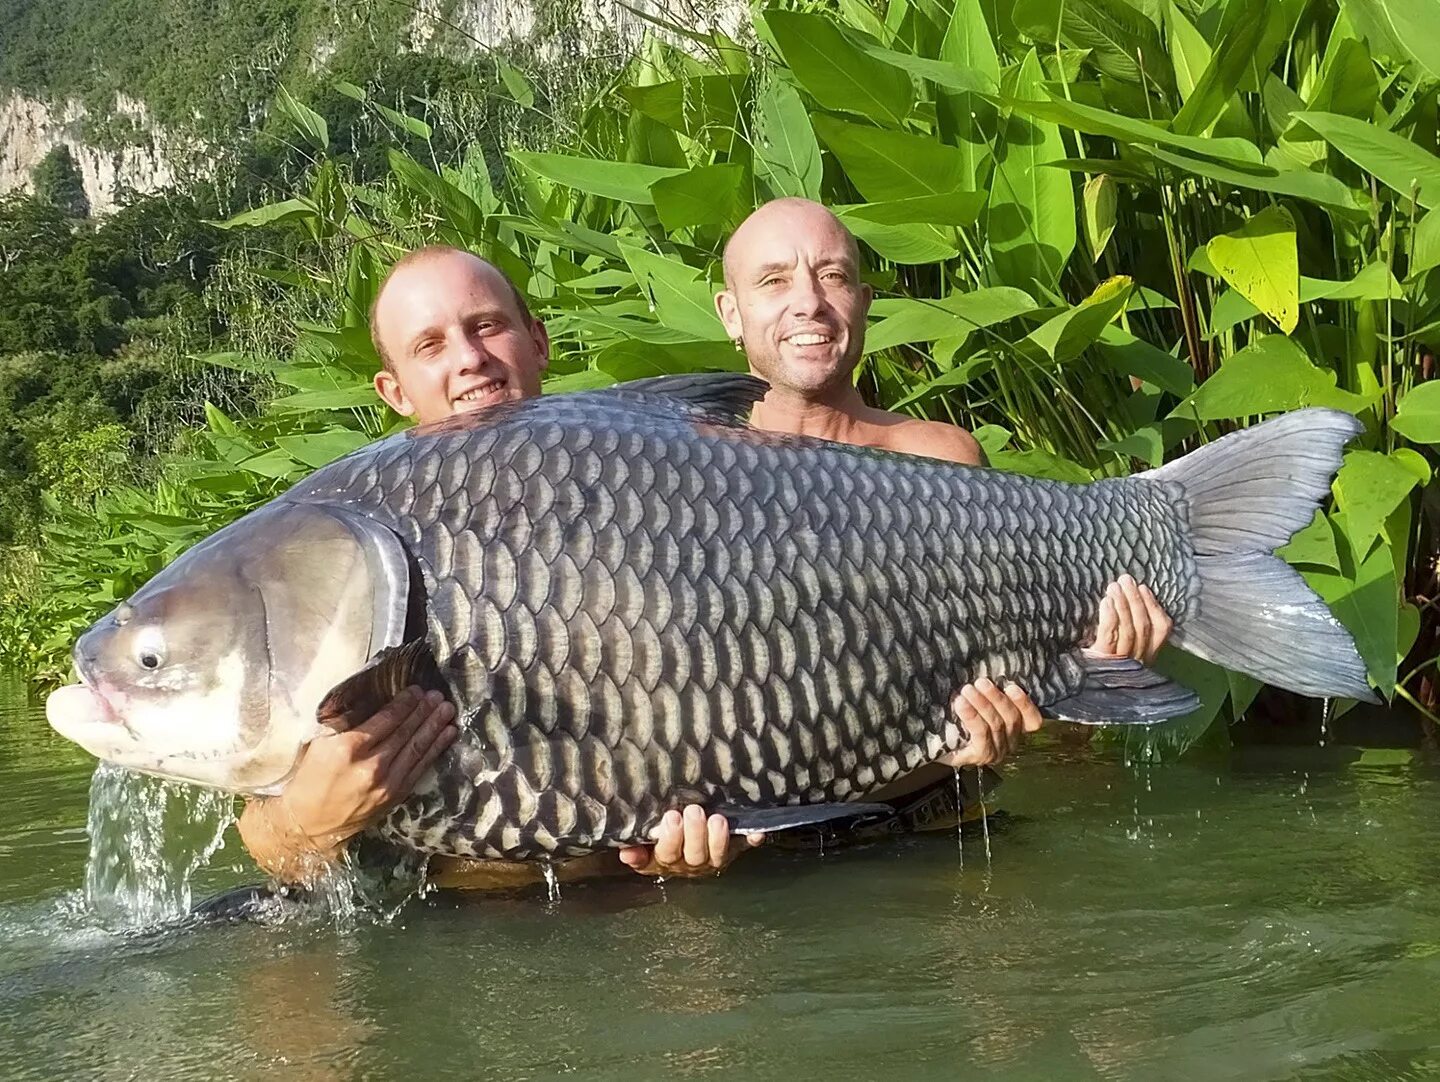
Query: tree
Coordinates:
[58,182]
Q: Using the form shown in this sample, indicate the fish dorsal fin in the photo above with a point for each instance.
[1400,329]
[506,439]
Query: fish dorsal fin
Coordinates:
[717,397]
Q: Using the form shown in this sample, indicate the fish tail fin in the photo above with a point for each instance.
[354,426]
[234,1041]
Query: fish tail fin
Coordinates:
[1248,494]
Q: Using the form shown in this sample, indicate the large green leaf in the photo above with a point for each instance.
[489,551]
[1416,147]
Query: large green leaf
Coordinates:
[915,320]
[270,214]
[886,165]
[310,124]
[1328,191]
[1271,376]
[910,243]
[706,195]
[1255,34]
[1067,335]
[837,71]
[1403,30]
[461,212]
[1367,604]
[1390,158]
[1117,35]
[1099,204]
[1418,417]
[343,398]
[627,181]
[1136,357]
[787,156]
[1031,217]
[1128,130]
[322,448]
[1314,546]
[959,208]
[691,106]
[1261,261]
[682,300]
[967,43]
[1368,488]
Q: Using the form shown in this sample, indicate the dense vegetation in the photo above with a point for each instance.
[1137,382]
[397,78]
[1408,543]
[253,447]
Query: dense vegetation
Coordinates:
[1102,232]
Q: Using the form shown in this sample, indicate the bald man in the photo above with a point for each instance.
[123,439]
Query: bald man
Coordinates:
[794,302]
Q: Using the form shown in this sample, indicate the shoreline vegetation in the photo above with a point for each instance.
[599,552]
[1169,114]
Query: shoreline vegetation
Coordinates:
[1101,233]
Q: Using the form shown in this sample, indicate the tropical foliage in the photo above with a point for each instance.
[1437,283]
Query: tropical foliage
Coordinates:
[1101,232]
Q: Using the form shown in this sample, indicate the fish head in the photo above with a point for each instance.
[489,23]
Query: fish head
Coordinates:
[212,672]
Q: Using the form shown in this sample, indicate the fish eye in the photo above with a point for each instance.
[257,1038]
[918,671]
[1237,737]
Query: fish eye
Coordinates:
[150,649]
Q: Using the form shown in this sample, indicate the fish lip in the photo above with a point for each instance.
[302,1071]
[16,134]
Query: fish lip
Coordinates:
[97,688]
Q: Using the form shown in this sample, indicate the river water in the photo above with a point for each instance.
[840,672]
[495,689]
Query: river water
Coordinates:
[1261,914]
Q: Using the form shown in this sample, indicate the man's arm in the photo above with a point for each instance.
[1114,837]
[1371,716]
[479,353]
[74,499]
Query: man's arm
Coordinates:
[346,782]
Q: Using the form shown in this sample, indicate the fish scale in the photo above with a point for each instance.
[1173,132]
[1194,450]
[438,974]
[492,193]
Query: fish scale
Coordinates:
[640,612]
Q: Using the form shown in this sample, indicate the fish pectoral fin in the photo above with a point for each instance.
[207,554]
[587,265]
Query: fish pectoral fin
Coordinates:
[387,674]
[1121,691]
[745,821]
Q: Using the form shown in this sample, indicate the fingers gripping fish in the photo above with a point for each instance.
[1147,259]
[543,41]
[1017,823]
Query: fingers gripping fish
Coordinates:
[636,601]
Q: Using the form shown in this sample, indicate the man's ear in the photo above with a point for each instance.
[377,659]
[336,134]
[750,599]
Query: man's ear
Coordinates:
[868,293]
[392,394]
[728,309]
[541,337]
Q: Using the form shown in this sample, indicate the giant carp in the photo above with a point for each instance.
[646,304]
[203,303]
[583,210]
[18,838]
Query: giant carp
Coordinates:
[637,601]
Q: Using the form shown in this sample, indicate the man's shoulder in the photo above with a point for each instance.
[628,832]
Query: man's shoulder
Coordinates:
[931,439]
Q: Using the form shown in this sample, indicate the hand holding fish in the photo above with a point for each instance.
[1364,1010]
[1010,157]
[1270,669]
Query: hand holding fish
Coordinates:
[346,782]
[688,844]
[1132,623]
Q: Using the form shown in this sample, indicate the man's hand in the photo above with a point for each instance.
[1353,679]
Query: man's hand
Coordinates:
[994,719]
[688,845]
[1132,623]
[347,781]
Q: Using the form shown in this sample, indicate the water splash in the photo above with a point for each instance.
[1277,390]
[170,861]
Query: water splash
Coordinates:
[552,882]
[148,838]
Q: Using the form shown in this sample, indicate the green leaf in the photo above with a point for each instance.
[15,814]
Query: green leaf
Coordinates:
[942,73]
[682,300]
[1069,334]
[837,72]
[1313,546]
[413,124]
[909,244]
[1031,217]
[914,320]
[270,214]
[1037,463]
[340,399]
[1425,244]
[787,156]
[1402,30]
[629,182]
[959,208]
[696,107]
[1189,51]
[1418,416]
[1132,132]
[1099,202]
[461,213]
[887,165]
[1368,605]
[1320,188]
[706,195]
[349,90]
[1261,261]
[967,43]
[1390,158]
[1254,35]
[322,448]
[1132,356]
[629,360]
[516,85]
[310,124]
[991,438]
[1368,488]
[1118,36]
[1272,375]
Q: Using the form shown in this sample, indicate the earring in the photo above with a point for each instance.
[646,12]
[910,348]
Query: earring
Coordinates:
[739,345]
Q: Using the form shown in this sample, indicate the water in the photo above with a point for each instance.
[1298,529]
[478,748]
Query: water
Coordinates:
[1270,915]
